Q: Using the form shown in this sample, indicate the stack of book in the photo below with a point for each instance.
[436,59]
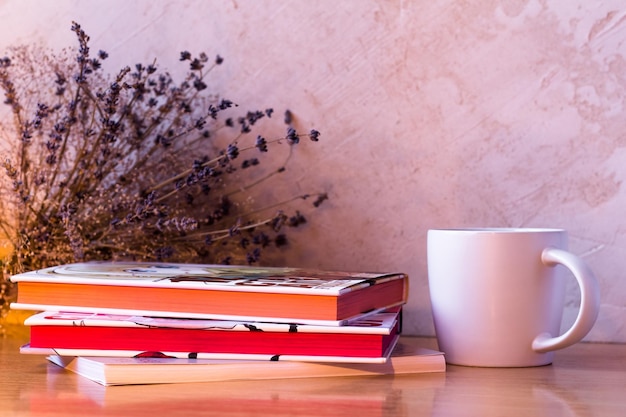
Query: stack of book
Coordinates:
[125,323]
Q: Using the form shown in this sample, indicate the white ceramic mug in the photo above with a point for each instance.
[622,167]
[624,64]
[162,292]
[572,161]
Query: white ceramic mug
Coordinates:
[498,295]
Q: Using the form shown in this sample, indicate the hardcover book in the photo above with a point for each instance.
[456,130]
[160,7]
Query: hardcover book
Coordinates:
[290,295]
[369,339]
[128,371]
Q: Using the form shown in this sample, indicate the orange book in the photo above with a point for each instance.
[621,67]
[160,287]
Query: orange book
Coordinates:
[287,295]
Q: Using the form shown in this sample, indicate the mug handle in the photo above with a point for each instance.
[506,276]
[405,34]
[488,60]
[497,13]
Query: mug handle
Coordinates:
[589,301]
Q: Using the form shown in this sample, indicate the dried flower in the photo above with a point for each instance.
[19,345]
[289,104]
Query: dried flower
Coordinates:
[132,166]
[292,136]
[314,135]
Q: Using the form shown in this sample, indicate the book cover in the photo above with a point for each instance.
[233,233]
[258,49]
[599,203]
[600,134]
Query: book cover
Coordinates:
[367,339]
[291,295]
[129,371]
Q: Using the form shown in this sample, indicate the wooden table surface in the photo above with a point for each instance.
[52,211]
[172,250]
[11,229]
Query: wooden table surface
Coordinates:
[585,380]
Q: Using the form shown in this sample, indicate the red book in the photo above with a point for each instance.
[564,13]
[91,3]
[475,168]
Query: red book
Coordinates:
[370,339]
[288,295]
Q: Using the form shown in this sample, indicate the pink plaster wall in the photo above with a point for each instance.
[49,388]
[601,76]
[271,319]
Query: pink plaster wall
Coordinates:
[432,113]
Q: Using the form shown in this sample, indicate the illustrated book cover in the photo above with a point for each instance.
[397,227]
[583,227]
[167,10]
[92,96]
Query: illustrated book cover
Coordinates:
[288,295]
[368,339]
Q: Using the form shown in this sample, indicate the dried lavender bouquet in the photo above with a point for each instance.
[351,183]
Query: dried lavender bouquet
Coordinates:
[133,165]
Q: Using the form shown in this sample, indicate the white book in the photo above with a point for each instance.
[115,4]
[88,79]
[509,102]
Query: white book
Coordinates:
[130,371]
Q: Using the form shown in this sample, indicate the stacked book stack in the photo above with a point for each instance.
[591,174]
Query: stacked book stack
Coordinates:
[128,323]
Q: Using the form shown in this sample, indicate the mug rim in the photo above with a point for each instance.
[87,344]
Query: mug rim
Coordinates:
[498,230]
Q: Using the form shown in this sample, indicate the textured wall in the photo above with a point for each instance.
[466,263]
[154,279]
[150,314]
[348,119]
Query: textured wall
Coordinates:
[432,113]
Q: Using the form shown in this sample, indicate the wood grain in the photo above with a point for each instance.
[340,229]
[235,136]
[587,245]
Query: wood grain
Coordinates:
[585,380]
